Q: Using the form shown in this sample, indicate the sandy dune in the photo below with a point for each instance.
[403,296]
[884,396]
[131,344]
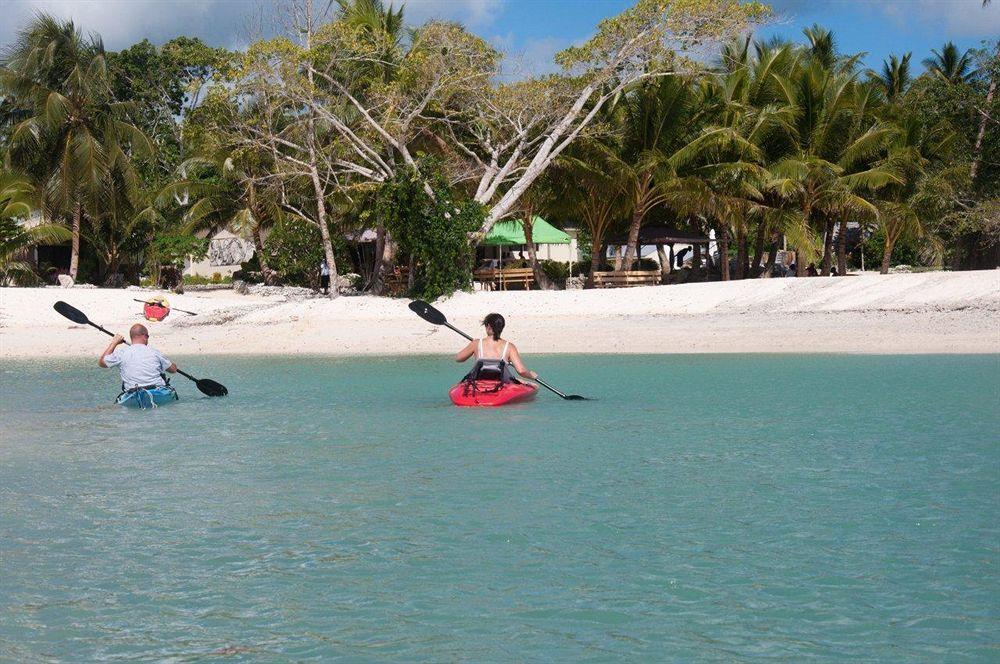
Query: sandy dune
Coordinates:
[937,312]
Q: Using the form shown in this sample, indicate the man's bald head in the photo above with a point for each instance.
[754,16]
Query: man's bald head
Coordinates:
[138,331]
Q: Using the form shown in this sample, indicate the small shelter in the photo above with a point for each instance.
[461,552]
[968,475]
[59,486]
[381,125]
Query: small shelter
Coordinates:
[663,235]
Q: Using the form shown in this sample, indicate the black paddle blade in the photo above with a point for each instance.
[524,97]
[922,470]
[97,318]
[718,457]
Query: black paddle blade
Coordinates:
[427,312]
[71,313]
[210,388]
[576,397]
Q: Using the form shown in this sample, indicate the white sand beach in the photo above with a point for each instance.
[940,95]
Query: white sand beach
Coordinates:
[933,312]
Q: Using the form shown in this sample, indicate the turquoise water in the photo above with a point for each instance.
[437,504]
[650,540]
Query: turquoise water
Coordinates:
[712,508]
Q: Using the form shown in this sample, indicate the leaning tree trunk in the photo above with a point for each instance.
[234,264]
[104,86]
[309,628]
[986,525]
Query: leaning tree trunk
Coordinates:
[618,259]
[890,242]
[270,276]
[324,229]
[74,257]
[542,279]
[842,248]
[723,252]
[632,248]
[665,265]
[827,248]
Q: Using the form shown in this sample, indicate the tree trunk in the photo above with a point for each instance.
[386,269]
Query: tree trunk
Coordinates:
[385,258]
[632,248]
[74,257]
[665,265]
[842,247]
[618,258]
[596,247]
[772,257]
[758,254]
[270,276]
[827,247]
[723,252]
[741,252]
[324,229]
[696,257]
[542,279]
[978,147]
[887,253]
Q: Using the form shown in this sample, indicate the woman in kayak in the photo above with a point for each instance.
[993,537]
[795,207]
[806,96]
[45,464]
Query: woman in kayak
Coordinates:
[491,349]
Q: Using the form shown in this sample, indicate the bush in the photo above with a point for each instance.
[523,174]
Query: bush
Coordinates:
[906,252]
[199,280]
[434,231]
[557,271]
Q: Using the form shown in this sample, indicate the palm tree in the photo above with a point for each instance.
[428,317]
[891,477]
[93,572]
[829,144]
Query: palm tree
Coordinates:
[17,203]
[922,191]
[228,191]
[65,128]
[657,121]
[832,163]
[951,65]
[895,77]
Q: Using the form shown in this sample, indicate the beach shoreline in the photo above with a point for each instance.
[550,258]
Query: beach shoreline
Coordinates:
[929,312]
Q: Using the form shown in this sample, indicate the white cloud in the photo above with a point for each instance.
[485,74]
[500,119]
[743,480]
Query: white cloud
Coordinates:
[962,18]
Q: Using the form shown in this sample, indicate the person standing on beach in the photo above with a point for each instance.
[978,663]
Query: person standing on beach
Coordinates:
[140,365]
[324,276]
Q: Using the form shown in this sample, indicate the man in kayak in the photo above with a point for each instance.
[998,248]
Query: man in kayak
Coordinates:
[492,350]
[140,365]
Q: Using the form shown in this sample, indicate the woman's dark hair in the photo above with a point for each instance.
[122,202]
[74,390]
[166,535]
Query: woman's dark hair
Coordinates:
[495,322]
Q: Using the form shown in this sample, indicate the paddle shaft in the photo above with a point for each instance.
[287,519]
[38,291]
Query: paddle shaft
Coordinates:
[183,311]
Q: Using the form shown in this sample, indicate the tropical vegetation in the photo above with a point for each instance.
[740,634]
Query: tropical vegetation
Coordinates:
[355,125]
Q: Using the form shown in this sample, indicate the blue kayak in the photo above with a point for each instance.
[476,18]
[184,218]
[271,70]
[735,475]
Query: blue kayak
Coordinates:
[147,397]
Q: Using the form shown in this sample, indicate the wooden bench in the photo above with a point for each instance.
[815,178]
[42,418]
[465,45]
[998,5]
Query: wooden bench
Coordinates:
[503,278]
[626,279]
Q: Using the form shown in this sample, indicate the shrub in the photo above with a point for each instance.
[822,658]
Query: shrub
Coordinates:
[557,271]
[434,231]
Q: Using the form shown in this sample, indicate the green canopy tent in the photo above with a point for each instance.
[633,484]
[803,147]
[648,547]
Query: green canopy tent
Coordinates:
[512,232]
[505,233]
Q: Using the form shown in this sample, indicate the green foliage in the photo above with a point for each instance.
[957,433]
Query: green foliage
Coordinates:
[199,280]
[172,248]
[433,231]
[294,249]
[905,252]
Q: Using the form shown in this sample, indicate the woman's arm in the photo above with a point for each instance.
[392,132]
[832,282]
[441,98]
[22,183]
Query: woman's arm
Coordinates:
[515,359]
[467,352]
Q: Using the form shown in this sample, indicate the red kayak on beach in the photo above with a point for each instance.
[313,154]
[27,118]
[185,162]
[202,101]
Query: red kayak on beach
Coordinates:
[490,393]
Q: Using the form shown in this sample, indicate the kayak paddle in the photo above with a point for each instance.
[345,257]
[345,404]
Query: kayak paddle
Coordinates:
[435,317]
[183,311]
[207,386]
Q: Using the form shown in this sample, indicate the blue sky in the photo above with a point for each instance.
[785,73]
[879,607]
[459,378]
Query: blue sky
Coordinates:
[534,30]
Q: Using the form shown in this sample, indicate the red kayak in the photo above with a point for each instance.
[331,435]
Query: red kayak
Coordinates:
[490,393]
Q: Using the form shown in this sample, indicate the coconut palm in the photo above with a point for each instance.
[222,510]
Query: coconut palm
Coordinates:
[66,130]
[951,65]
[657,122]
[895,77]
[228,191]
[18,202]
[923,191]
